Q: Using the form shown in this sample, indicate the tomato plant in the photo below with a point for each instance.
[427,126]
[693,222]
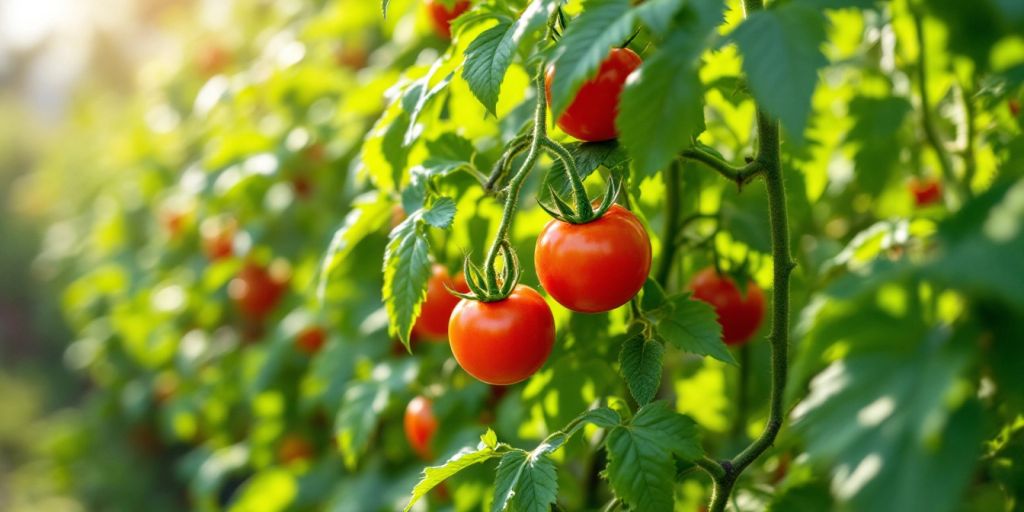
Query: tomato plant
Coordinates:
[679,251]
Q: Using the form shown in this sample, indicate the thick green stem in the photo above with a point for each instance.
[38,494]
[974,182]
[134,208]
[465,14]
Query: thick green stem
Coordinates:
[771,167]
[931,132]
[514,186]
[669,238]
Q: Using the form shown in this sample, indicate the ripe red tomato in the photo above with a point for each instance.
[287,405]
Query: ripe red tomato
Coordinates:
[257,289]
[1014,105]
[218,237]
[503,342]
[591,115]
[739,316]
[432,325]
[441,16]
[597,266]
[926,191]
[311,339]
[294,448]
[420,425]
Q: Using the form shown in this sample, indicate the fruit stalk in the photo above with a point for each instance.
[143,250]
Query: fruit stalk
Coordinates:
[514,186]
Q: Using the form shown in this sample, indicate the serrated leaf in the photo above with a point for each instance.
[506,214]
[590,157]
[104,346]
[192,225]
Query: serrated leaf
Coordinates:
[392,145]
[601,25]
[441,213]
[653,296]
[781,58]
[692,326]
[368,214]
[661,109]
[489,56]
[357,419]
[434,475]
[640,366]
[406,272]
[525,482]
[641,470]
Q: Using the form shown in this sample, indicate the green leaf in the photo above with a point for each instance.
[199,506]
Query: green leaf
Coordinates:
[896,427]
[658,14]
[602,25]
[525,482]
[879,121]
[692,326]
[448,153]
[441,213]
[781,57]
[369,213]
[406,272]
[641,470]
[489,55]
[357,419]
[640,365]
[434,475]
[661,109]
[393,146]
[418,96]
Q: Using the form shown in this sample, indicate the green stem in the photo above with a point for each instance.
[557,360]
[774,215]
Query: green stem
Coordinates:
[970,162]
[739,175]
[668,239]
[771,164]
[516,184]
[579,192]
[931,131]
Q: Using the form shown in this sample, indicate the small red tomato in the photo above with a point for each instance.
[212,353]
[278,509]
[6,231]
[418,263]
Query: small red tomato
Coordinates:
[257,289]
[926,191]
[591,115]
[212,59]
[739,316]
[503,342]
[218,237]
[597,266]
[441,16]
[420,425]
[1014,105]
[432,324]
[311,339]
[294,448]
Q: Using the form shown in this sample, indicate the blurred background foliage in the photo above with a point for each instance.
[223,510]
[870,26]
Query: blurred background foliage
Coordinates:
[161,159]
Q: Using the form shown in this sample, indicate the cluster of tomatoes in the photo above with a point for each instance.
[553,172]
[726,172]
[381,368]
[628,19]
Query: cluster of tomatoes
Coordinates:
[592,267]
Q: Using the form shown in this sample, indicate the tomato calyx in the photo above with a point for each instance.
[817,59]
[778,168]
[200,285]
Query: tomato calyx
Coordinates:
[585,211]
[486,284]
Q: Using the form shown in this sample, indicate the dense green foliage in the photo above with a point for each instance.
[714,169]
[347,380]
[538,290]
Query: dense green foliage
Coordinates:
[336,152]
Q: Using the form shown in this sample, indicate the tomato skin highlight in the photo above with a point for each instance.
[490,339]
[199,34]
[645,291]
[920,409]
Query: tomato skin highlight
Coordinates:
[503,342]
[597,266]
[432,324]
[420,425]
[926,191]
[441,17]
[591,115]
[740,316]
